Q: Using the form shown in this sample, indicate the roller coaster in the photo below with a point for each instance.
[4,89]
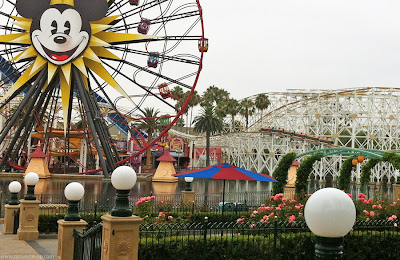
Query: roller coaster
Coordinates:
[301,121]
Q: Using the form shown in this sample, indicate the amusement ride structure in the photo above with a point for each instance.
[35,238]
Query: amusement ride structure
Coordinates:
[337,122]
[74,71]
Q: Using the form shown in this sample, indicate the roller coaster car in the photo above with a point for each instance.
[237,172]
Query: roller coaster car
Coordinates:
[299,134]
[165,92]
[266,129]
[153,59]
[144,26]
[203,44]
[134,2]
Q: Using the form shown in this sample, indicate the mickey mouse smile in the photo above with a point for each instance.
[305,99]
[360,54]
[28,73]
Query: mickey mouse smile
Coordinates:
[60,56]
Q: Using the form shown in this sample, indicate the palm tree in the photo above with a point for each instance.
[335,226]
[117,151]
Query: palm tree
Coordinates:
[247,109]
[262,103]
[232,109]
[149,123]
[194,101]
[208,123]
[213,96]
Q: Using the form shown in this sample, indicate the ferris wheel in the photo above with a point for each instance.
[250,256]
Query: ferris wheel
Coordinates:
[96,62]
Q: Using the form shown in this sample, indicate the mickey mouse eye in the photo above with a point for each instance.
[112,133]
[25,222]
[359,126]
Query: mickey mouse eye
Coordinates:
[68,26]
[54,25]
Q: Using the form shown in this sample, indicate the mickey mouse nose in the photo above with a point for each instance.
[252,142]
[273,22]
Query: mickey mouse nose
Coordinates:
[60,39]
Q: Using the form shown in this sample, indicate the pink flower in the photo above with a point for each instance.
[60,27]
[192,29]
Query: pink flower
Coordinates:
[297,207]
[374,206]
[170,217]
[265,217]
[146,216]
[362,195]
[155,223]
[394,216]
[395,224]
[376,190]
[148,198]
[350,195]
[271,215]
[365,202]
[252,226]
[255,212]
[262,220]
[361,199]
[262,205]
[390,219]
[372,214]
[283,200]
[367,219]
[365,212]
[294,201]
[278,208]
[292,218]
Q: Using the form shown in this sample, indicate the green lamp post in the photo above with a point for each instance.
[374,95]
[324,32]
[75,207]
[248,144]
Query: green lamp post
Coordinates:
[74,193]
[14,187]
[188,181]
[330,214]
[123,179]
[31,179]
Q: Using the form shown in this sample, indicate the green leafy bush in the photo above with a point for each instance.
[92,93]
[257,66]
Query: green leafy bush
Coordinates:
[281,172]
[304,171]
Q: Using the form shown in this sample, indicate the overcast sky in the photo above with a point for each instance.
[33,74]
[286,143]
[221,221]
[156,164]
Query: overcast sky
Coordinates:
[274,45]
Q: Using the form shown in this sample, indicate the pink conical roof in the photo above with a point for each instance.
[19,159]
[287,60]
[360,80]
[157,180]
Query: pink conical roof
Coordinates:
[166,157]
[38,153]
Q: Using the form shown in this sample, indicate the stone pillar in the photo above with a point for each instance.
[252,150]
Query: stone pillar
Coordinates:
[396,191]
[120,237]
[66,239]
[188,197]
[28,220]
[9,218]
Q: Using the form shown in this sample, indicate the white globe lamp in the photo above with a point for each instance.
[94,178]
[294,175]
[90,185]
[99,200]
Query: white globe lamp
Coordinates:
[31,179]
[14,187]
[123,179]
[330,214]
[74,193]
[188,181]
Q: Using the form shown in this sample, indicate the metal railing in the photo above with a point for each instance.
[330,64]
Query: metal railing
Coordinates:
[87,244]
[273,240]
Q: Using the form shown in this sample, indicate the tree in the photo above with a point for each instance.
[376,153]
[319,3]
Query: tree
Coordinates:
[262,102]
[213,95]
[232,109]
[210,124]
[207,123]
[149,123]
[247,109]
[194,101]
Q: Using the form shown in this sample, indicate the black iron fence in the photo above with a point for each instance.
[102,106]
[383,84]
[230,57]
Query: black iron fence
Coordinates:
[87,244]
[273,240]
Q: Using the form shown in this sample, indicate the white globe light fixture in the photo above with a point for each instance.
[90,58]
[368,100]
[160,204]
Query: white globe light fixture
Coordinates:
[14,187]
[31,179]
[330,214]
[188,180]
[74,193]
[123,179]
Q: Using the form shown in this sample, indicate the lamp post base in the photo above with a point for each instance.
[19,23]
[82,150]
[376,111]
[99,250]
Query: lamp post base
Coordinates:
[328,247]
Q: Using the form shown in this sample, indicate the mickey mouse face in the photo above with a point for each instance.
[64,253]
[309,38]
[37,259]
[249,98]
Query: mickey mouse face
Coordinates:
[60,36]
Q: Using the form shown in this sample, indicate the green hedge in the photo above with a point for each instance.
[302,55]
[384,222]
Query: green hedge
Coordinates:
[357,246]
[290,246]
[48,222]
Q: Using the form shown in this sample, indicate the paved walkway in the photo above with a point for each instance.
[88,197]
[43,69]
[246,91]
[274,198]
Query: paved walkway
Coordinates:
[12,248]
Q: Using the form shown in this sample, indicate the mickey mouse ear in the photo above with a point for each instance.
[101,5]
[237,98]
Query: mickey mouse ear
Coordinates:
[31,8]
[93,10]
